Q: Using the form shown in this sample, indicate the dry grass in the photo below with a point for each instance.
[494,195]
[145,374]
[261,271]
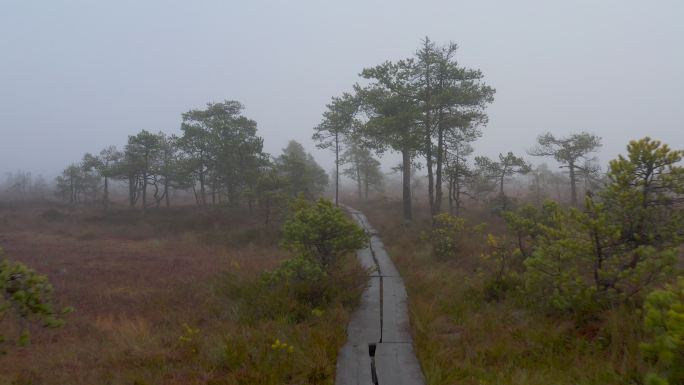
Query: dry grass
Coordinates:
[463,337]
[137,280]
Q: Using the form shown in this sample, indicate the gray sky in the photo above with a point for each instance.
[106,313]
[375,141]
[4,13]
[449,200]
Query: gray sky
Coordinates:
[76,76]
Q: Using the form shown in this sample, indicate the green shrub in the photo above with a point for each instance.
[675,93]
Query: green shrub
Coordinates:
[445,234]
[582,265]
[526,224]
[625,239]
[27,296]
[503,256]
[321,232]
[303,286]
[664,323]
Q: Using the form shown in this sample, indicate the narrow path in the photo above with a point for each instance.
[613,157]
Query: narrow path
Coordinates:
[379,349]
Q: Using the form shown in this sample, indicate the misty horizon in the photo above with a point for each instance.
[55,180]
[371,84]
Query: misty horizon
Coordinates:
[77,77]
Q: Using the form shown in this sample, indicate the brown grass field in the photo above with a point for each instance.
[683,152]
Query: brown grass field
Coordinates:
[155,298]
[150,304]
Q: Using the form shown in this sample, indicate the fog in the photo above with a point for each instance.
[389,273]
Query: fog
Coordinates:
[76,76]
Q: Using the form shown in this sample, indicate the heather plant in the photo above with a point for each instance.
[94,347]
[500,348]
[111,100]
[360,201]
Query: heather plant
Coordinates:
[188,341]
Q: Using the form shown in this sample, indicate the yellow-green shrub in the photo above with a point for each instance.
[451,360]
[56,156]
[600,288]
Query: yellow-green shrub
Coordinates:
[664,323]
[446,231]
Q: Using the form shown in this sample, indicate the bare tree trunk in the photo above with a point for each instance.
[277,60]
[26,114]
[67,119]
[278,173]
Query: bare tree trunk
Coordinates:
[406,184]
[166,194]
[450,192]
[428,130]
[573,184]
[357,166]
[337,169]
[106,193]
[457,196]
[132,187]
[431,178]
[157,198]
[194,191]
[203,198]
[268,210]
[72,188]
[144,192]
[441,148]
[501,191]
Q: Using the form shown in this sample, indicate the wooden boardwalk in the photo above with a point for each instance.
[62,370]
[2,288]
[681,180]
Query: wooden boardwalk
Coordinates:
[379,348]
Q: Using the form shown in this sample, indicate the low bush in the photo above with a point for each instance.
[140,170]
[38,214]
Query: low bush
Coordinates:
[446,232]
[321,232]
[504,259]
[664,324]
[27,297]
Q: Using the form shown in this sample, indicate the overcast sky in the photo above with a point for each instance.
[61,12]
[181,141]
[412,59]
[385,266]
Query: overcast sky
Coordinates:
[76,76]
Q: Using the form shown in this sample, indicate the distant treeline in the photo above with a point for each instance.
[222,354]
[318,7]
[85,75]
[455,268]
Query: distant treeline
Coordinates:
[218,157]
[22,185]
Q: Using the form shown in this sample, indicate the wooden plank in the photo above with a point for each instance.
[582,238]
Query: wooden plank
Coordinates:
[364,326]
[386,267]
[366,258]
[395,318]
[382,318]
[397,365]
[353,366]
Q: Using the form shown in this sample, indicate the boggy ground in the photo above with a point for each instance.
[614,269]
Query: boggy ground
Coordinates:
[462,336]
[152,304]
